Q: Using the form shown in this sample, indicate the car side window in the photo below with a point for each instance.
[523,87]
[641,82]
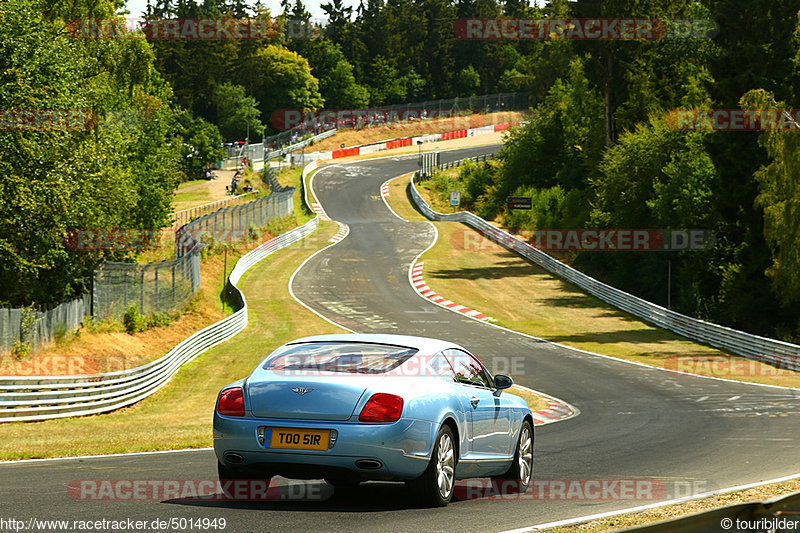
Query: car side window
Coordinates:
[468,369]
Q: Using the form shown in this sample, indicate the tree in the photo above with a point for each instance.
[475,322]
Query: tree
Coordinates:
[237,114]
[779,197]
[386,86]
[280,79]
[115,167]
[201,145]
[337,83]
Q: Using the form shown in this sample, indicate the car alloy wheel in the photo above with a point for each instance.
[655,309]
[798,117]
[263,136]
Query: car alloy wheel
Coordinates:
[445,466]
[436,485]
[525,456]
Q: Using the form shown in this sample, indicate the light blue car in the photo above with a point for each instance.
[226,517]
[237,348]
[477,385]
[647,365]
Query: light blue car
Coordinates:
[352,408]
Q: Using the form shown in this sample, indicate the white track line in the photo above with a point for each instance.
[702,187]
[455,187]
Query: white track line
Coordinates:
[125,454]
[310,257]
[587,518]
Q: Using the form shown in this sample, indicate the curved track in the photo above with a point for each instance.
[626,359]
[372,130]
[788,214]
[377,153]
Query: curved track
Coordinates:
[636,422]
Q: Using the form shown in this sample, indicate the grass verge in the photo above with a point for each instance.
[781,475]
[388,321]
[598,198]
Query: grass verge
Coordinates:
[673,511]
[472,271]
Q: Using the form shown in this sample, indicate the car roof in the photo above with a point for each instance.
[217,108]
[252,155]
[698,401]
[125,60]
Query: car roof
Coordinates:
[422,344]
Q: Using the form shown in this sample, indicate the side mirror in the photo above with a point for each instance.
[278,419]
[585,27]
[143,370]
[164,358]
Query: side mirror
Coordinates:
[502,382]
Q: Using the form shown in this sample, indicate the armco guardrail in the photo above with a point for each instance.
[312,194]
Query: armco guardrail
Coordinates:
[298,146]
[458,162]
[783,354]
[49,397]
[776,514]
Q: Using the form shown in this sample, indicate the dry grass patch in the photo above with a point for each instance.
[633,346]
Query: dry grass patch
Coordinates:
[470,270]
[412,129]
[535,402]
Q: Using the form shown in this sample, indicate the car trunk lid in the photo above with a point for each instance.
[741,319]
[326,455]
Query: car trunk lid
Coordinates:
[331,397]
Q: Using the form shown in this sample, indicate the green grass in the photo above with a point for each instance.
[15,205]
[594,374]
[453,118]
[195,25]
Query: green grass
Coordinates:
[198,197]
[468,269]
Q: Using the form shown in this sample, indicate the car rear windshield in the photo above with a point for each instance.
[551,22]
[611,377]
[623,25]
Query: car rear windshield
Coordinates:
[349,357]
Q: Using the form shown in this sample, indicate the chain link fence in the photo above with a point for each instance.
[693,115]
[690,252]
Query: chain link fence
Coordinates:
[232,223]
[31,328]
[170,285]
[152,287]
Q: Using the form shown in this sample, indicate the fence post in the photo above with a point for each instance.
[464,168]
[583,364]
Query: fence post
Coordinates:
[156,284]
[94,302]
[125,288]
[141,291]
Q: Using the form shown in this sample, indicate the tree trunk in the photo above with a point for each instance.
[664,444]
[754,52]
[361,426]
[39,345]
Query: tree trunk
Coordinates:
[609,115]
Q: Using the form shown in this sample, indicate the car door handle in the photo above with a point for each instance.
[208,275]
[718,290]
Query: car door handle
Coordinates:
[474,401]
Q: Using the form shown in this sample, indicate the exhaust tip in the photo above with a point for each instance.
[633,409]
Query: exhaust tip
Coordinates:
[369,464]
[234,458]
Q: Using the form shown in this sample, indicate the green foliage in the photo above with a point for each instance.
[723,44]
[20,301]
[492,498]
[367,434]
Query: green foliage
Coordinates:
[22,346]
[158,320]
[281,79]
[115,170]
[133,320]
[779,197]
[561,144]
[468,81]
[237,114]
[201,147]
[552,208]
[386,86]
[337,82]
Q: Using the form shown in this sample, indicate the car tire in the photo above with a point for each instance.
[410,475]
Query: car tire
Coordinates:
[520,474]
[436,485]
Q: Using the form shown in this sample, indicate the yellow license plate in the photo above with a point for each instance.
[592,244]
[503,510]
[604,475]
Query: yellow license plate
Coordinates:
[300,439]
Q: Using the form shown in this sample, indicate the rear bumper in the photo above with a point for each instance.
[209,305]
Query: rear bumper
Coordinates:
[403,448]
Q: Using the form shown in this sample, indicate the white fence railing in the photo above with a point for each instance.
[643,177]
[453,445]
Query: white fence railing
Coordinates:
[775,352]
[299,146]
[47,397]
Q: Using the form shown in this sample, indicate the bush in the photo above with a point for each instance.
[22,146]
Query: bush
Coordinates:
[159,319]
[24,345]
[133,320]
[551,208]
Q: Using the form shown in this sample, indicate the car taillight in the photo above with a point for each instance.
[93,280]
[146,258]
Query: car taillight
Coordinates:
[382,407]
[231,402]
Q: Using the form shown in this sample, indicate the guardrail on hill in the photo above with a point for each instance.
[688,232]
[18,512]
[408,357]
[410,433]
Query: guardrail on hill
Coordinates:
[48,397]
[458,162]
[298,146]
[772,351]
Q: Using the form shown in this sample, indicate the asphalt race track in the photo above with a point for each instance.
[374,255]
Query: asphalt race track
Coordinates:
[670,432]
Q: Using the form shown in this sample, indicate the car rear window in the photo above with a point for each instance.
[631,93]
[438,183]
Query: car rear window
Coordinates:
[348,357]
